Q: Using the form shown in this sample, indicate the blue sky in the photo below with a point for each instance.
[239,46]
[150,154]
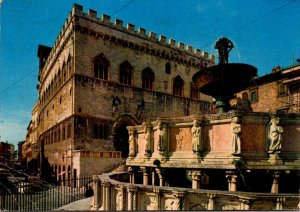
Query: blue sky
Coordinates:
[266,33]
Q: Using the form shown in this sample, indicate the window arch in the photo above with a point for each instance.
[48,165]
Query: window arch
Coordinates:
[126,73]
[69,67]
[178,86]
[147,78]
[64,72]
[194,91]
[168,68]
[101,65]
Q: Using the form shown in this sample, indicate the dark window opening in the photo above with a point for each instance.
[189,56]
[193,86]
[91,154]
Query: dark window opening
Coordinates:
[147,78]
[253,96]
[101,65]
[282,89]
[168,68]
[126,73]
[101,131]
[178,86]
[194,92]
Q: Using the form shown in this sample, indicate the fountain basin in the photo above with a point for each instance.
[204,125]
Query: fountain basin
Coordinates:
[225,79]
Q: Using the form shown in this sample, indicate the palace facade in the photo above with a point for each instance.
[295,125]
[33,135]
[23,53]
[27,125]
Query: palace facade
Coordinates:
[99,78]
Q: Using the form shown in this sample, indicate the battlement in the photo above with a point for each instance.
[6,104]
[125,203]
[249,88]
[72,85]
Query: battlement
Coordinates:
[119,25]
[141,32]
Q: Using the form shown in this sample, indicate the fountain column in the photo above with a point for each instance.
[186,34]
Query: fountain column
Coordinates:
[275,186]
[232,180]
[211,201]
[145,175]
[196,176]
[97,194]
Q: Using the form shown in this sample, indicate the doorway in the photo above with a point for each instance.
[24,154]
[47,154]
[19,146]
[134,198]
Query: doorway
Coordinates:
[120,134]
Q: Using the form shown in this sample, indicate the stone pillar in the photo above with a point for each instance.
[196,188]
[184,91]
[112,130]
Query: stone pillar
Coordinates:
[153,177]
[131,192]
[107,196]
[120,198]
[245,203]
[211,202]
[97,192]
[232,180]
[160,176]
[145,175]
[196,176]
[178,202]
[279,203]
[131,175]
[275,186]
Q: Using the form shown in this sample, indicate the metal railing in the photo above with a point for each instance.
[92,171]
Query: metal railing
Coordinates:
[39,195]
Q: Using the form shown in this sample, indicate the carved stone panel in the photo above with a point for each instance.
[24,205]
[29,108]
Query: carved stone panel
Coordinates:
[180,139]
[196,202]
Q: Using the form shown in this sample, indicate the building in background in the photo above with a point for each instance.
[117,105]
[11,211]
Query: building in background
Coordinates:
[7,152]
[278,91]
[99,78]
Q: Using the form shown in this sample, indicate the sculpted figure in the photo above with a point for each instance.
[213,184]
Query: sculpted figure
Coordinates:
[147,140]
[131,142]
[236,141]
[162,137]
[196,136]
[275,136]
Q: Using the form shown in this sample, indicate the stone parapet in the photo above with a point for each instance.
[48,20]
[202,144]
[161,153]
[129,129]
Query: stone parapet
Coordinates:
[172,198]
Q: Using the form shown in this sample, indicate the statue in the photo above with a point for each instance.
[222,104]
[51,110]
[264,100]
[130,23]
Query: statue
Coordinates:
[275,135]
[115,103]
[147,138]
[236,141]
[196,137]
[224,46]
[131,142]
[162,137]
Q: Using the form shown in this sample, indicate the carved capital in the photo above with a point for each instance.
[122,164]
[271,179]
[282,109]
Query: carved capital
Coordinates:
[144,170]
[156,190]
[132,189]
[211,196]
[178,195]
[196,175]
[105,183]
[95,179]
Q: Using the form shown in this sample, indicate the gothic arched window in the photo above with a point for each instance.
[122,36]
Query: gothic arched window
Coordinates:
[147,78]
[126,73]
[168,68]
[178,86]
[101,65]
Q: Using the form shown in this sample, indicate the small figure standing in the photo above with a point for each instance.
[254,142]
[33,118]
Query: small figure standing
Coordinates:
[275,136]
[196,137]
[147,140]
[131,142]
[162,137]
[236,141]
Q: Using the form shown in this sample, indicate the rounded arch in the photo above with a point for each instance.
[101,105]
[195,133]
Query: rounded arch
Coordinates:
[120,133]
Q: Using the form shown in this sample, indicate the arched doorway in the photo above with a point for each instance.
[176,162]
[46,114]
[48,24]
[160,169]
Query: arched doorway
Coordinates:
[120,133]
